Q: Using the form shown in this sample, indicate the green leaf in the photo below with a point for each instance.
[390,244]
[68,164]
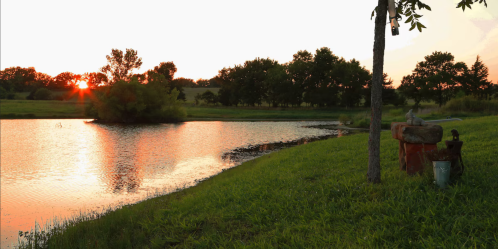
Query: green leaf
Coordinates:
[422,25]
[413,26]
[428,7]
[409,19]
[468,5]
[417,16]
[419,27]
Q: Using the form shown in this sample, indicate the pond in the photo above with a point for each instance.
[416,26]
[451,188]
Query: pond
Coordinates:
[57,168]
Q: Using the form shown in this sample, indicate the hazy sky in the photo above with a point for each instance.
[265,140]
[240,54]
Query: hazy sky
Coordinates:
[202,37]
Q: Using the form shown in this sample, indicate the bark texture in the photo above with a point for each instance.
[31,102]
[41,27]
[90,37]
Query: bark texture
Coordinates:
[373,173]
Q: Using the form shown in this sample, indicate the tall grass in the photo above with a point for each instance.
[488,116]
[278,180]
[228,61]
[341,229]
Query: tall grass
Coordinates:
[316,196]
[471,104]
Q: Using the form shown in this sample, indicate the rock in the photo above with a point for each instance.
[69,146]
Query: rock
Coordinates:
[428,134]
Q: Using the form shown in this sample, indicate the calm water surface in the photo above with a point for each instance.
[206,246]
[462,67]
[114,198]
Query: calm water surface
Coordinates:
[58,168]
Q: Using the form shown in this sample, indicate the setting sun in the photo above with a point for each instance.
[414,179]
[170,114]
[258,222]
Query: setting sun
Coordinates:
[82,85]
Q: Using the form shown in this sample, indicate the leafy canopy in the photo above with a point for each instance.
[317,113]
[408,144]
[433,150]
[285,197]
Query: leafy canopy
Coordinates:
[408,8]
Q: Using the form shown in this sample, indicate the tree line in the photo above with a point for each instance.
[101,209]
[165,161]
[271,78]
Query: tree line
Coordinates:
[440,79]
[318,80]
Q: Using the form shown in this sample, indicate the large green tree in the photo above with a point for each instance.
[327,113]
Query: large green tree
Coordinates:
[120,65]
[352,78]
[18,78]
[321,89]
[406,8]
[167,69]
[299,70]
[439,75]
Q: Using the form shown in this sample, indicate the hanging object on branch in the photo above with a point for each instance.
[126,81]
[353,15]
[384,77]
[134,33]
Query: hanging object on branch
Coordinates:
[392,18]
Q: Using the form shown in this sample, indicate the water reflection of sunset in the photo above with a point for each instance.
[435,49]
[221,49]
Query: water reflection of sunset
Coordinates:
[59,167]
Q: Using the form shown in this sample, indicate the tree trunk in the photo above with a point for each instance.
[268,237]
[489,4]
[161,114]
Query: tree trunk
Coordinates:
[373,174]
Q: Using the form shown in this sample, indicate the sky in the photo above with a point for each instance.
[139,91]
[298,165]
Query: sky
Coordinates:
[202,37]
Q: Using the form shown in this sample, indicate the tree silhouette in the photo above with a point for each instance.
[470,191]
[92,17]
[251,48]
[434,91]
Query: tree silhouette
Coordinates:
[119,65]
[475,81]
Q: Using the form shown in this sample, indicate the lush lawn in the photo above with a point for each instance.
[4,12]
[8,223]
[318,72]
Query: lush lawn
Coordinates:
[316,196]
[41,109]
[221,113]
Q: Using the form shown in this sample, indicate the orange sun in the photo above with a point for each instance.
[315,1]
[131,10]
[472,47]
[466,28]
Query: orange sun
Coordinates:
[82,85]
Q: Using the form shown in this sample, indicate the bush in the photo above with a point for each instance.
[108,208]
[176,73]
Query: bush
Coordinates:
[43,94]
[344,119]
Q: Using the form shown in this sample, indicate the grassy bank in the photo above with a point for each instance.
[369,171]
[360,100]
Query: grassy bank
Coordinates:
[41,109]
[315,196]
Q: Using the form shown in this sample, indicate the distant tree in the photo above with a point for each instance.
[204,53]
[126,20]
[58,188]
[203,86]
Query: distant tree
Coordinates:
[18,78]
[213,82]
[43,94]
[95,79]
[352,80]
[278,86]
[202,83]
[168,69]
[389,94]
[42,80]
[209,97]
[299,70]
[439,75]
[65,80]
[475,81]
[185,82]
[120,66]
[228,94]
[251,77]
[410,88]
[321,89]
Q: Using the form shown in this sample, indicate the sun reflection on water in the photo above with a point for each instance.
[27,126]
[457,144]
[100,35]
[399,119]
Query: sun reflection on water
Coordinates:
[59,167]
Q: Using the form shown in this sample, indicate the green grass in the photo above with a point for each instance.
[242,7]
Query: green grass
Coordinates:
[314,196]
[41,109]
[221,113]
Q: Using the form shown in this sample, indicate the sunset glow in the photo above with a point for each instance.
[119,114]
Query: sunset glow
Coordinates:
[82,85]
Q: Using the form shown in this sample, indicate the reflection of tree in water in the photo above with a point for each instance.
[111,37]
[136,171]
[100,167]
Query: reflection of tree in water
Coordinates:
[240,155]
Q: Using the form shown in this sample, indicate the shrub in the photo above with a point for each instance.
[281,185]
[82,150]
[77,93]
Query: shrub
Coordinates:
[344,119]
[42,94]
[133,102]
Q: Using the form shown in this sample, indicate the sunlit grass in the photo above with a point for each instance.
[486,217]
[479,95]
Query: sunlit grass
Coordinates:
[315,196]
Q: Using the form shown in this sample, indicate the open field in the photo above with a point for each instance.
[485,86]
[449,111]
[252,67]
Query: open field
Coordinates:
[41,109]
[314,196]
